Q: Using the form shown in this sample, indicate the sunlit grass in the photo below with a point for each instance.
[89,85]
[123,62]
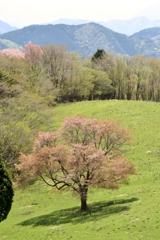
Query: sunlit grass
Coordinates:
[132,212]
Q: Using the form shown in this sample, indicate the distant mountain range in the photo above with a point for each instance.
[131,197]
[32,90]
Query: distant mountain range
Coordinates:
[127,27]
[84,39]
[87,38]
[152,33]
[5,27]
[131,26]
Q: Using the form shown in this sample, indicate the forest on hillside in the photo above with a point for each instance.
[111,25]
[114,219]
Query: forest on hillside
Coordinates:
[57,75]
[35,79]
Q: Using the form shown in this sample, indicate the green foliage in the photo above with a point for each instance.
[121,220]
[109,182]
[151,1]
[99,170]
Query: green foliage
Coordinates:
[56,75]
[20,120]
[8,86]
[6,192]
[5,78]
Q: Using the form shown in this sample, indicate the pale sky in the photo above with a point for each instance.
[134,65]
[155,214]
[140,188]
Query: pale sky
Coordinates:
[21,13]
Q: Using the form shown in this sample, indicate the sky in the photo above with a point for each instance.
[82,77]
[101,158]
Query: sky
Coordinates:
[22,13]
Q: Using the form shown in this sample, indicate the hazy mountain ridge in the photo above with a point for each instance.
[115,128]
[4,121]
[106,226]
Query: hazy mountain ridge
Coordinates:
[87,38]
[127,27]
[131,26]
[149,33]
[5,27]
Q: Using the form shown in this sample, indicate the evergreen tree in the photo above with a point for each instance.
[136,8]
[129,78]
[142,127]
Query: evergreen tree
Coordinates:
[99,54]
[6,192]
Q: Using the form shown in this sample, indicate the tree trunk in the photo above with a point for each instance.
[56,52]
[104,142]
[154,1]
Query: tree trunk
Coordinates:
[83,195]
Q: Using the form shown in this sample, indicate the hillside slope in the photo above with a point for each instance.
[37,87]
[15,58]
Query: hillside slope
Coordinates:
[85,39]
[130,213]
[148,33]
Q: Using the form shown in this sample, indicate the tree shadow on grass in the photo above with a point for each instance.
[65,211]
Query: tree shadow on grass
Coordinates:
[73,215]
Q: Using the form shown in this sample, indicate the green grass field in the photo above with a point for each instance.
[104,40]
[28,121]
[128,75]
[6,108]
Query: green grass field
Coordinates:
[132,212]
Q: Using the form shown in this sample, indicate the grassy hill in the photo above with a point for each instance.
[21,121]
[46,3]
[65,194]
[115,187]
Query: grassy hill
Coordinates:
[4,43]
[132,212]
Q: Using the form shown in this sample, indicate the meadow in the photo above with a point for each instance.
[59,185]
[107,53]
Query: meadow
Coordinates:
[130,213]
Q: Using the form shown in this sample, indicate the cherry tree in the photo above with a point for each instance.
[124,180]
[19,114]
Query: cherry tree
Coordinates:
[33,53]
[82,153]
[12,52]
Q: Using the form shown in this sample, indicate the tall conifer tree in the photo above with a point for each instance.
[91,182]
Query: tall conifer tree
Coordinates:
[6,192]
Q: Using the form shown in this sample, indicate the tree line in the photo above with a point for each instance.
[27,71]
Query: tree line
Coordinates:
[57,75]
